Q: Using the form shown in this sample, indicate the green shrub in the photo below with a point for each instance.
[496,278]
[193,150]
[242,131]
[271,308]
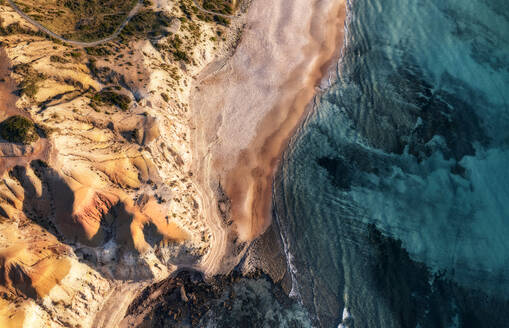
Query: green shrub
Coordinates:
[29,84]
[112,99]
[222,20]
[44,130]
[147,23]
[15,28]
[175,48]
[18,129]
[75,54]
[85,20]
[58,59]
[98,51]
[218,6]
[29,88]
[222,7]
[180,55]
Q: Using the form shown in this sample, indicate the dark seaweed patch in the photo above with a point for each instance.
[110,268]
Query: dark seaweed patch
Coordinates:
[338,171]
[416,296]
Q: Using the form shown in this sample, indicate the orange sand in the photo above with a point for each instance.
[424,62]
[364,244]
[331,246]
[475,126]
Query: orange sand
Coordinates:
[253,104]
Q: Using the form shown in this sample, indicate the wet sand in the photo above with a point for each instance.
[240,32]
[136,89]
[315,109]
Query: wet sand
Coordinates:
[248,110]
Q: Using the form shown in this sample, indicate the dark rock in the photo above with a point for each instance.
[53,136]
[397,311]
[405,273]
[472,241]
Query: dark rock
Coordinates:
[183,295]
[185,301]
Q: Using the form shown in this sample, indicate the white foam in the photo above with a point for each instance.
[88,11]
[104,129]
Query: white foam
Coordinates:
[294,292]
[346,316]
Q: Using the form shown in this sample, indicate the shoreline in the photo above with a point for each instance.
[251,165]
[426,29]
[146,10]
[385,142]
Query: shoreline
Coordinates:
[267,87]
[264,153]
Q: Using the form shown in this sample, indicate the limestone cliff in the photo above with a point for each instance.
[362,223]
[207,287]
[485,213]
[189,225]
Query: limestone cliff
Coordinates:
[104,201]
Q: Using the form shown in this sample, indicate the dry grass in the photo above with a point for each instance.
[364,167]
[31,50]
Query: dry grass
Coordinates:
[84,20]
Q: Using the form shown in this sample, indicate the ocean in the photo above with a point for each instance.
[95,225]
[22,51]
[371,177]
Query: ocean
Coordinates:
[393,196]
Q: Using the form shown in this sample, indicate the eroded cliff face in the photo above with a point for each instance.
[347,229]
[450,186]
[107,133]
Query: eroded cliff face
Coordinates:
[104,201]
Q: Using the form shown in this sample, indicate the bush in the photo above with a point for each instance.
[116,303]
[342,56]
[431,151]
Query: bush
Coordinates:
[224,7]
[175,48]
[44,130]
[98,51]
[58,59]
[29,84]
[222,20]
[111,98]
[29,88]
[147,23]
[75,54]
[18,129]
[84,20]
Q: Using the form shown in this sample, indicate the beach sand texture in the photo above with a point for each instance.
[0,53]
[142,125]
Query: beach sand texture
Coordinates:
[252,105]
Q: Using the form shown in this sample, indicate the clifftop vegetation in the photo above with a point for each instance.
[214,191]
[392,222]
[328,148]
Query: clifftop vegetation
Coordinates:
[83,20]
[225,7]
[18,129]
[111,98]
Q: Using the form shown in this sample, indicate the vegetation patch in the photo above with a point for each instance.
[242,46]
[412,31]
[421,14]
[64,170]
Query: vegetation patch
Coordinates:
[111,98]
[58,59]
[18,129]
[84,20]
[147,24]
[224,7]
[175,48]
[221,7]
[15,28]
[165,97]
[28,86]
[98,51]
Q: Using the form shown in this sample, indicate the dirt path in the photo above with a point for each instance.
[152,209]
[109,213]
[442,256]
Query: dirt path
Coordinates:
[133,12]
[212,262]
[78,43]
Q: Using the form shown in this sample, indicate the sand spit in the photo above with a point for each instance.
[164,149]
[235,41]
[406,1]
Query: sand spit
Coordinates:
[254,103]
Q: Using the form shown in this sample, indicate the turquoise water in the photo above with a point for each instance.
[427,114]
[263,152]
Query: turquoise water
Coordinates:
[393,198]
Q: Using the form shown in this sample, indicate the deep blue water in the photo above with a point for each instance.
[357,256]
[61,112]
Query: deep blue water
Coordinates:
[393,197]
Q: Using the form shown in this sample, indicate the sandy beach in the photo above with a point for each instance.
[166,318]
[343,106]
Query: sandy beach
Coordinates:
[107,190]
[252,105]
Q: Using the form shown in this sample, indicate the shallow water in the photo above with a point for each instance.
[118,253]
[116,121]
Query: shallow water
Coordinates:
[393,198]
